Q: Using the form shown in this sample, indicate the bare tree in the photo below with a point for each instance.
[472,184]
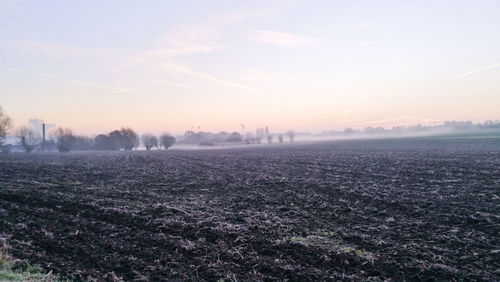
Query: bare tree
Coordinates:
[291,135]
[29,138]
[64,139]
[270,139]
[167,140]
[126,137]
[280,138]
[149,141]
[5,124]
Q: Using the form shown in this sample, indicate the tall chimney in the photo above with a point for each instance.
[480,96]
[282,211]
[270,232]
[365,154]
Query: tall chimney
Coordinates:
[43,132]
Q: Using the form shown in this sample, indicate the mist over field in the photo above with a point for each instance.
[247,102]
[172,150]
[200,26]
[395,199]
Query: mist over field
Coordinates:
[249,140]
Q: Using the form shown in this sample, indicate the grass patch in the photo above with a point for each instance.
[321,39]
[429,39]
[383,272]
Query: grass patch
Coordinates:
[9,271]
[298,239]
[28,273]
[327,240]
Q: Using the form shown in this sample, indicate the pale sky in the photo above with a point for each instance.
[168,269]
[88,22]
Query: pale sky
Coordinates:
[158,66]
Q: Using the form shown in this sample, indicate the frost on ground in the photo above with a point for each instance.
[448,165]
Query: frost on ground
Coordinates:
[356,210]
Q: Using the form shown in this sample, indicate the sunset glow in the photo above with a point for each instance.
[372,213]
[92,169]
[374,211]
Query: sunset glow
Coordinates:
[308,65]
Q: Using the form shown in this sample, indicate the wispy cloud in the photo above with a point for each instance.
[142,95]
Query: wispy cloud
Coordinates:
[123,90]
[179,51]
[74,81]
[116,70]
[198,38]
[281,39]
[187,70]
[181,85]
[35,73]
[179,40]
[369,43]
[255,75]
[350,121]
[360,25]
[12,6]
[186,40]
[475,71]
[57,49]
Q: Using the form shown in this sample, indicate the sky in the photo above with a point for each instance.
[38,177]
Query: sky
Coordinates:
[156,66]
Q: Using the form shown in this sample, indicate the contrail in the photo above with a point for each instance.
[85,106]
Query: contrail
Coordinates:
[187,70]
[84,83]
[474,71]
[175,83]
[126,90]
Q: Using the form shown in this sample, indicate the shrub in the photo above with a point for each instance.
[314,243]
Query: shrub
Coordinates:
[64,139]
[126,138]
[5,123]
[291,135]
[270,139]
[29,138]
[106,142]
[167,140]
[149,141]
[235,137]
[280,138]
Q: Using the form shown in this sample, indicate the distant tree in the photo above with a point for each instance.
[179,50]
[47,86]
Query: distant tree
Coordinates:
[348,131]
[259,132]
[269,139]
[371,130]
[291,135]
[5,124]
[167,140]
[64,139]
[130,139]
[101,142]
[149,141]
[280,138]
[235,137]
[126,138]
[189,133]
[106,142]
[192,137]
[83,143]
[222,136]
[115,137]
[249,140]
[29,139]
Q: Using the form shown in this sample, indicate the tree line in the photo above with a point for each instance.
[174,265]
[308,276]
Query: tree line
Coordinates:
[64,140]
[209,139]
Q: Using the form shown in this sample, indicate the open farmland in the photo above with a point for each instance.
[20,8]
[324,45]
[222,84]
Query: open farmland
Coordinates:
[411,209]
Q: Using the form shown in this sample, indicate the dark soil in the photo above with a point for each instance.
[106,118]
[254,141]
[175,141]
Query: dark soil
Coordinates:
[359,210]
